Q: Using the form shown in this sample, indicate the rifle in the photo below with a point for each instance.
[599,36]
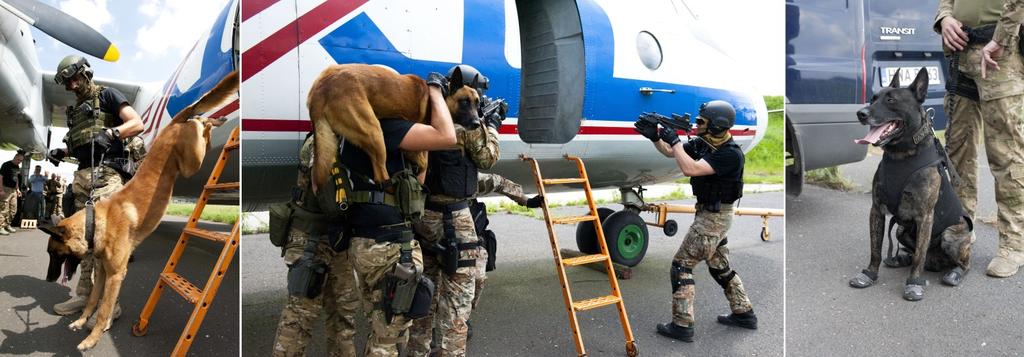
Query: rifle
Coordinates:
[676,122]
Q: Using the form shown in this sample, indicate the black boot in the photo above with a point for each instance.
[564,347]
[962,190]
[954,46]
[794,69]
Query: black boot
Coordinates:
[672,330]
[745,320]
[469,330]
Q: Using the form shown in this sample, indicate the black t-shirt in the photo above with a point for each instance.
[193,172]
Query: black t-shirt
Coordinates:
[357,161]
[111,100]
[727,162]
[10,173]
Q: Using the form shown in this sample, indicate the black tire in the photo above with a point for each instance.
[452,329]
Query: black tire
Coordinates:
[627,237]
[586,233]
[671,227]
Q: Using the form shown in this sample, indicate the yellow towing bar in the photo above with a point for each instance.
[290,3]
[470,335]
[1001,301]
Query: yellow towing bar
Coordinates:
[671,227]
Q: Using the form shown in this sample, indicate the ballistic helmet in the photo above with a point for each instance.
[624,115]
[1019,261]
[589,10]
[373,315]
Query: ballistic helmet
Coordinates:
[70,66]
[470,77]
[720,116]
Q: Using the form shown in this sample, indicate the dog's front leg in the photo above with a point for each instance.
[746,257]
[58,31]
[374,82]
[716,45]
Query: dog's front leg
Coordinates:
[876,225]
[103,316]
[98,278]
[914,290]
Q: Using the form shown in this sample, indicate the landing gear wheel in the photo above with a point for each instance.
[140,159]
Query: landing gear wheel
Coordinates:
[671,227]
[138,331]
[626,235]
[586,234]
[631,349]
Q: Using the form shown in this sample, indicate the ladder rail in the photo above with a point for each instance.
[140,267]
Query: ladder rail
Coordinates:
[563,280]
[209,292]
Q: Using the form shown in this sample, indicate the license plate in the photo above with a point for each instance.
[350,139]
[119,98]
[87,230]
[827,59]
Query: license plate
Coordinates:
[907,75]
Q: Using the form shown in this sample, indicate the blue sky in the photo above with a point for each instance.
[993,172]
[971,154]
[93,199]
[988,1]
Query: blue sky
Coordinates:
[152,35]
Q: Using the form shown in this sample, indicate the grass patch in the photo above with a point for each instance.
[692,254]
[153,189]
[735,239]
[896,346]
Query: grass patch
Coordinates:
[512,208]
[216,213]
[828,177]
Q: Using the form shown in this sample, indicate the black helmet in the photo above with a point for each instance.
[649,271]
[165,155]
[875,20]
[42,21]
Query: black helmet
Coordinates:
[719,114]
[70,66]
[467,76]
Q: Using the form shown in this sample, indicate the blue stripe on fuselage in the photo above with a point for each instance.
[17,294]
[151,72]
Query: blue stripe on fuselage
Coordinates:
[607,98]
[215,65]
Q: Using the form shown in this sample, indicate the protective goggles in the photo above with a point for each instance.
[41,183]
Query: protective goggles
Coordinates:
[67,73]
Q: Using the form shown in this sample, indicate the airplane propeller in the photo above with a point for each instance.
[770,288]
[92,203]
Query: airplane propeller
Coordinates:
[63,27]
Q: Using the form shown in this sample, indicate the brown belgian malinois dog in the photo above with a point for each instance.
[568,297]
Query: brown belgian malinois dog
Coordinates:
[349,99]
[128,216]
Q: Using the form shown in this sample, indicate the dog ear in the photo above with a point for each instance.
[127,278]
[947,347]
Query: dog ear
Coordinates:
[920,85]
[895,82]
[455,82]
[56,232]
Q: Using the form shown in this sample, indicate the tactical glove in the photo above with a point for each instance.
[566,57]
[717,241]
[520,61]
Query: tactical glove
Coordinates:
[646,128]
[535,201]
[669,136]
[105,139]
[55,156]
[438,80]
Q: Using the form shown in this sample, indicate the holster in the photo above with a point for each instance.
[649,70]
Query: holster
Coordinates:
[307,276]
[406,291]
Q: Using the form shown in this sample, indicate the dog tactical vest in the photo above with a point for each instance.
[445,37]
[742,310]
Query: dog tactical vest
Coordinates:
[714,188]
[896,175]
[347,187]
[451,173]
[86,120]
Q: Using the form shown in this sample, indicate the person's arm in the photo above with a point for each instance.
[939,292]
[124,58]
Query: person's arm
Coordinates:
[688,165]
[132,123]
[439,134]
[1004,35]
[945,10]
[664,149]
[482,145]
[953,37]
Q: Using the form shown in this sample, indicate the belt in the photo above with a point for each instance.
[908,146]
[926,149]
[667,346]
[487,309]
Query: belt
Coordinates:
[449,207]
[722,207]
[394,233]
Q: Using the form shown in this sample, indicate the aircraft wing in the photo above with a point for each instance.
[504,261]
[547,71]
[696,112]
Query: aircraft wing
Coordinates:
[55,98]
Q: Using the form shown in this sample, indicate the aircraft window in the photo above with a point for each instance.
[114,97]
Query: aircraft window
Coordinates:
[649,49]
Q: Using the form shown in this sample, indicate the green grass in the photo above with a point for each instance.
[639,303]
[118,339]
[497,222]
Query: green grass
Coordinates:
[215,213]
[828,177]
[764,164]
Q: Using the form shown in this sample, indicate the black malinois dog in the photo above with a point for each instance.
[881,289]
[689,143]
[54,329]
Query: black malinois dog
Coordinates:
[912,184]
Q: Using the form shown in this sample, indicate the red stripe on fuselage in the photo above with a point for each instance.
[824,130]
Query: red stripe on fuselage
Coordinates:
[228,109]
[253,7]
[284,125]
[290,36]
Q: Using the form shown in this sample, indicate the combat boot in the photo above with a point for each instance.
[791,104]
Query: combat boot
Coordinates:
[1005,264]
[672,330]
[11,229]
[113,317]
[744,320]
[73,305]
[4,232]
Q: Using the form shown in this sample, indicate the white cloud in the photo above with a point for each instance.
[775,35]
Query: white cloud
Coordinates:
[175,25]
[92,12]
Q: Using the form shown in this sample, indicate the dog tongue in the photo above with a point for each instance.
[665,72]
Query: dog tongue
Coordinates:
[874,134]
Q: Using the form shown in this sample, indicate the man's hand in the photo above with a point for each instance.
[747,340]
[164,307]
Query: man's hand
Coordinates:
[56,155]
[105,139]
[438,80]
[952,35]
[989,54]
[669,136]
[647,129]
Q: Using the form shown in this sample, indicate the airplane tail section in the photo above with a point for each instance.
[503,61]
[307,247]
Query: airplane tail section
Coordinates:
[226,89]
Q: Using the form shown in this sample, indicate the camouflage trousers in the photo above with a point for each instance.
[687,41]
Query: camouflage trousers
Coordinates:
[706,242]
[338,303]
[53,205]
[8,205]
[488,183]
[372,262]
[997,119]
[457,294]
[107,182]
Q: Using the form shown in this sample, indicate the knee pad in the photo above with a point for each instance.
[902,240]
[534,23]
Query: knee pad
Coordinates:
[722,276]
[678,282]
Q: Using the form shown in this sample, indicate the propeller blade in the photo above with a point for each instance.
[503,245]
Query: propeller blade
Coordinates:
[63,27]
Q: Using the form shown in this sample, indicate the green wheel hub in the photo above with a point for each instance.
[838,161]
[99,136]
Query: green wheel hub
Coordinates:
[631,241]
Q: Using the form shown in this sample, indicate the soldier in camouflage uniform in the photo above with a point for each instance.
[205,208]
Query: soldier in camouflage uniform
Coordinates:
[339,298]
[99,123]
[54,196]
[714,163]
[452,182]
[995,104]
[10,190]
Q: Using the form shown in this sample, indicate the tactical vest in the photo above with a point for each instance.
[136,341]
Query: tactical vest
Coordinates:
[895,176]
[86,120]
[451,173]
[715,188]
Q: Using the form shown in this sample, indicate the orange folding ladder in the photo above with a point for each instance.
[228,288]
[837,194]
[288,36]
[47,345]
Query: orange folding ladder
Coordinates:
[201,298]
[575,306]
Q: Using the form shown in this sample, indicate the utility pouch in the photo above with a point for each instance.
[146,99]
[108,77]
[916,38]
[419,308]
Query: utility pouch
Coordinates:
[422,299]
[409,195]
[490,243]
[449,256]
[280,223]
[307,276]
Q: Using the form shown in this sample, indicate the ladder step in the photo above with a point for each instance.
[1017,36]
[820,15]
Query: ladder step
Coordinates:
[594,303]
[585,259]
[226,186]
[559,181]
[183,287]
[573,219]
[211,235]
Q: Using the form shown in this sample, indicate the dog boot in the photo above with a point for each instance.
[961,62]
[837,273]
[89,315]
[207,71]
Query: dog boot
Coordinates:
[914,290]
[864,279]
[114,316]
[73,305]
[672,330]
[744,320]
[954,277]
[1005,263]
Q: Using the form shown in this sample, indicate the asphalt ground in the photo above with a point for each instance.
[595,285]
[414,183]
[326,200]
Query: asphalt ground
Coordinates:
[28,325]
[522,312]
[828,245]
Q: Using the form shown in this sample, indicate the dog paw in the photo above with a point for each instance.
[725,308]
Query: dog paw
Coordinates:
[863,280]
[912,292]
[954,277]
[87,344]
[77,325]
